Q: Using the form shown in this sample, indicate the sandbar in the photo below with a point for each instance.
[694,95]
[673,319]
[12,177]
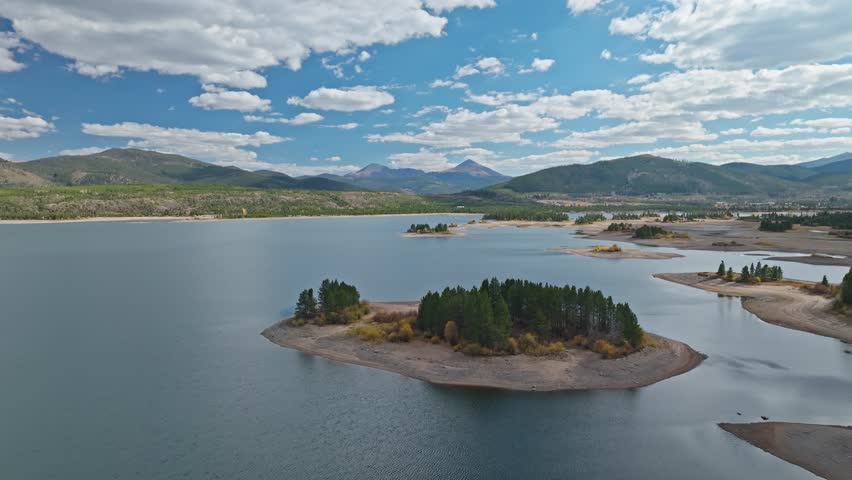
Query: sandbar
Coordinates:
[824,450]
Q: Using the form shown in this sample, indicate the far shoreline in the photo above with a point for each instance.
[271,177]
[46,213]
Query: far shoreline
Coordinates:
[574,369]
[215,218]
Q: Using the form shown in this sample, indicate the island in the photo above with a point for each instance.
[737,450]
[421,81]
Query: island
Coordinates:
[823,450]
[425,230]
[819,308]
[513,335]
[614,251]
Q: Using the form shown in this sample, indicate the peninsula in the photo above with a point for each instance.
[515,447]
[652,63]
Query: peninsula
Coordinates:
[482,337]
[793,304]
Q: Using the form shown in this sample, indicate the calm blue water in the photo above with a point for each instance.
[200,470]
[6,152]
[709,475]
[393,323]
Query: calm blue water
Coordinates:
[132,351]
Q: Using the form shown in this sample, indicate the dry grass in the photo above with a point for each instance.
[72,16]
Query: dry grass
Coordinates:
[614,248]
[393,317]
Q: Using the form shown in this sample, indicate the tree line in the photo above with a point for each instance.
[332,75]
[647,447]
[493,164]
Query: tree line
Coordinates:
[777,222]
[751,273]
[589,218]
[528,214]
[491,314]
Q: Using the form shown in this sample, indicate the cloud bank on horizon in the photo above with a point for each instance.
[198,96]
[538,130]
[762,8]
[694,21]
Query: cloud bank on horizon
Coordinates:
[312,86]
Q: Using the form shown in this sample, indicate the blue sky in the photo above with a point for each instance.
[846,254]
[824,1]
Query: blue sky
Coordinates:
[306,87]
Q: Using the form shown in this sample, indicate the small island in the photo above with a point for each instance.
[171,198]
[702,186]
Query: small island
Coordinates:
[424,229]
[514,334]
[823,450]
[615,251]
[819,308]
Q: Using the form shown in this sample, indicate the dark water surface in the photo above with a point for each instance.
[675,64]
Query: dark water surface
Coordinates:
[132,351]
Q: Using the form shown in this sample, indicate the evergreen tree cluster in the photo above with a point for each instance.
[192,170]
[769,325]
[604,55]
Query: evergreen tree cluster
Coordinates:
[649,231]
[625,216]
[776,222]
[753,272]
[335,300]
[490,314]
[589,218]
[620,227]
[335,295]
[426,228]
[846,288]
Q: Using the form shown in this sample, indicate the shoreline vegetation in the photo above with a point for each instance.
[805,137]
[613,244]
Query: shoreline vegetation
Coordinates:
[426,230]
[513,335]
[805,306]
[820,449]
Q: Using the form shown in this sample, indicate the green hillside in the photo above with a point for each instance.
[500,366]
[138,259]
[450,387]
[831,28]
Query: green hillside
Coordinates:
[647,174]
[639,175]
[119,166]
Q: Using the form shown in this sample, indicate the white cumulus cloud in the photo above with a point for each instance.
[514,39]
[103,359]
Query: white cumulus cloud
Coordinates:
[231,100]
[743,33]
[225,42]
[349,99]
[201,144]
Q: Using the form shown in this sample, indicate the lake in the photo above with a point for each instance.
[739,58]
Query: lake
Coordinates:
[132,350]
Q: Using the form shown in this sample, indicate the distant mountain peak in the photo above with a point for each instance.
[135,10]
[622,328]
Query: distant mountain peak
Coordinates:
[470,167]
[375,170]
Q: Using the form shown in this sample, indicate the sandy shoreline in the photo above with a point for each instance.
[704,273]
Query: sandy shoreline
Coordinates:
[623,254]
[574,369]
[824,450]
[777,304]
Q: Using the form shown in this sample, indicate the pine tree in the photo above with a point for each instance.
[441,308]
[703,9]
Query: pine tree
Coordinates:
[730,275]
[721,270]
[744,276]
[846,288]
[825,280]
[306,307]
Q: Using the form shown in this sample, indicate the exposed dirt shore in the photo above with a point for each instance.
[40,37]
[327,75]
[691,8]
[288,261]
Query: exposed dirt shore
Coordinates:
[623,254]
[782,305]
[824,450]
[735,236]
[575,369]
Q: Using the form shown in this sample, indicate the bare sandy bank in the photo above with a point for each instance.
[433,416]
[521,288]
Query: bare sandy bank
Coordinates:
[574,369]
[782,305]
[824,450]
[816,260]
[734,235]
[623,254]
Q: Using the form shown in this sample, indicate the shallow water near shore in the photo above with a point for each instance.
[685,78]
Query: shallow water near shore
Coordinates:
[132,351]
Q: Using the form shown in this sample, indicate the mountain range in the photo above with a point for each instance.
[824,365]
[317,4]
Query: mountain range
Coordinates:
[648,174]
[636,175]
[467,175]
[122,166]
